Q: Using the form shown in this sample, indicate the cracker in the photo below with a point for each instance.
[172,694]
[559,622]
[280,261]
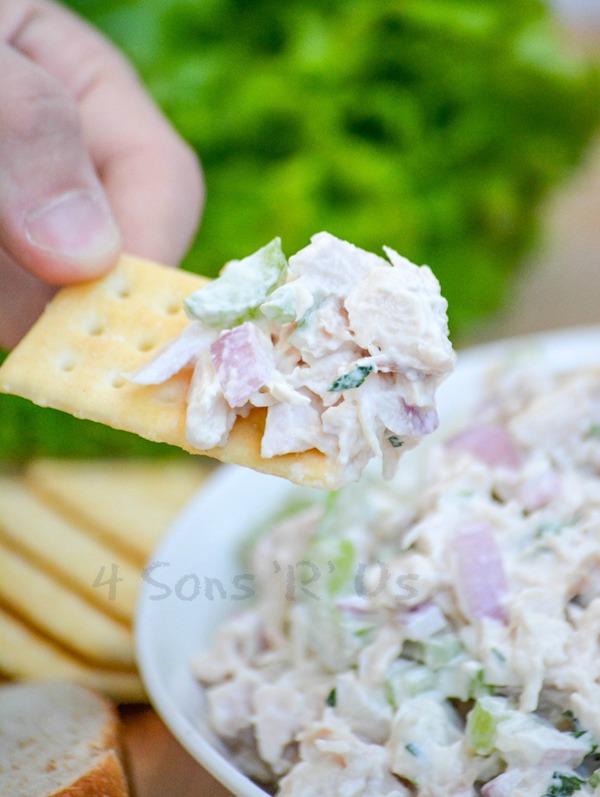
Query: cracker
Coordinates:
[26,655]
[64,550]
[74,358]
[67,617]
[126,505]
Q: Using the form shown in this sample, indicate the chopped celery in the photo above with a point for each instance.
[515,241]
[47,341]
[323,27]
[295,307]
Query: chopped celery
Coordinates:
[454,681]
[236,295]
[280,306]
[594,779]
[341,564]
[329,548]
[441,650]
[482,722]
[478,686]
[407,679]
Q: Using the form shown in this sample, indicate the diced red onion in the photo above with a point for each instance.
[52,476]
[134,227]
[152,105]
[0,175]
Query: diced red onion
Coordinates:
[490,444]
[241,363]
[481,582]
[177,354]
[420,422]
[355,606]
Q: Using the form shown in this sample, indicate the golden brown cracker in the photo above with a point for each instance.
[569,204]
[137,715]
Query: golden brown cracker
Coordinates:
[64,550]
[27,655]
[90,335]
[126,504]
[52,607]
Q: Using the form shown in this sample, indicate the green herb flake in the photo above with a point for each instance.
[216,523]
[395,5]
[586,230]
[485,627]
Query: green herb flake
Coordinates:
[331,699]
[352,379]
[395,441]
[563,784]
[593,433]
[412,749]
[362,633]
[577,731]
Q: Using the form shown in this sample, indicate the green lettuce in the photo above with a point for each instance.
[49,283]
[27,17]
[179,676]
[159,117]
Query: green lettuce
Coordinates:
[434,127]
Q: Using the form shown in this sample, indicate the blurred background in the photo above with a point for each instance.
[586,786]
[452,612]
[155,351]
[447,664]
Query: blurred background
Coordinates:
[444,128]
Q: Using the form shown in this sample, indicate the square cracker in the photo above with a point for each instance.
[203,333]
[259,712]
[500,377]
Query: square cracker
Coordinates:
[127,505]
[64,549]
[74,357]
[26,654]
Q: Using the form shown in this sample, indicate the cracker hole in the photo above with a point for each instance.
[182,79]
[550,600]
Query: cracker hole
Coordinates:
[66,361]
[96,328]
[173,307]
[119,288]
[146,344]
[117,381]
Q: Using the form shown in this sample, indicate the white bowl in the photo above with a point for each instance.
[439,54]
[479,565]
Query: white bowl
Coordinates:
[176,618]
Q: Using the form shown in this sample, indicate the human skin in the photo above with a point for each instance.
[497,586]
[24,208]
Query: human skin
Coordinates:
[89,166]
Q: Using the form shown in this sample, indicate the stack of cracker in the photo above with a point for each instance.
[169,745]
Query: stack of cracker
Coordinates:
[74,538]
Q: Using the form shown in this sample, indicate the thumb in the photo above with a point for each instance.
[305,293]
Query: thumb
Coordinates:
[55,220]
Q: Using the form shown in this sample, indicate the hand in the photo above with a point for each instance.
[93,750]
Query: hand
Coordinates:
[88,165]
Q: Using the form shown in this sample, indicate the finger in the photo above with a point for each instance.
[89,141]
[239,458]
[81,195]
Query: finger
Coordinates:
[55,219]
[152,178]
[23,299]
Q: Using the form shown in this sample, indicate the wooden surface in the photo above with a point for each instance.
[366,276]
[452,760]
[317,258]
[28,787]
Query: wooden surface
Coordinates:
[159,766]
[559,287]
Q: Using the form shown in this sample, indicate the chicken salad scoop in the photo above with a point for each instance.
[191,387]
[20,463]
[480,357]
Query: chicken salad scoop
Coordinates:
[344,349]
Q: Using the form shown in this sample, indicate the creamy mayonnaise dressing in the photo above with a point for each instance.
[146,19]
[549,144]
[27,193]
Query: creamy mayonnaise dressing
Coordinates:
[442,642]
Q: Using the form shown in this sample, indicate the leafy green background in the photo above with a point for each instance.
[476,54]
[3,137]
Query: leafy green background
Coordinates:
[434,126]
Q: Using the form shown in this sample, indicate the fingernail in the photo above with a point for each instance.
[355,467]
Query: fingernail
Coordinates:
[77,224]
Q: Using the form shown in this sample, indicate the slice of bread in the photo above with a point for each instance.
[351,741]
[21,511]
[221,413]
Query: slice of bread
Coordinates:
[58,739]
